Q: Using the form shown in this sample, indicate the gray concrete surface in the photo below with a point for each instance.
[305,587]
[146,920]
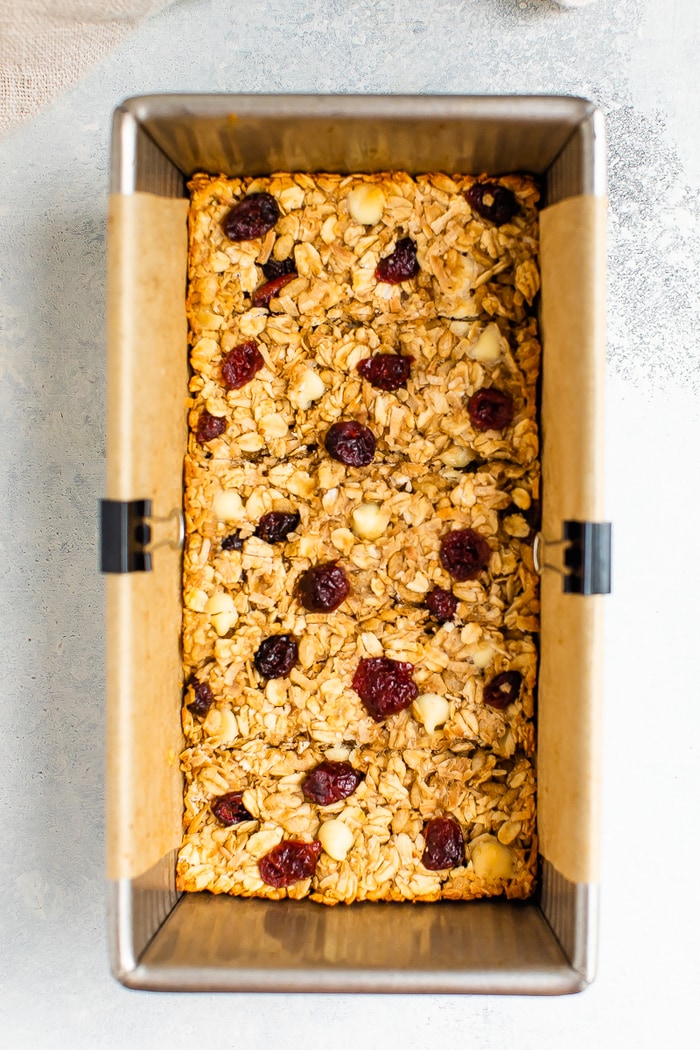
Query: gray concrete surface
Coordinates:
[638,60]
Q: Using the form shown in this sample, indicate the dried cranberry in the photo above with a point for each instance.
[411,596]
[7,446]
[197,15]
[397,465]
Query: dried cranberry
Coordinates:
[273,268]
[251,217]
[401,265]
[351,443]
[276,525]
[324,587]
[385,686]
[330,782]
[444,844]
[203,699]
[464,553]
[276,656]
[503,689]
[289,862]
[442,604]
[270,290]
[210,427]
[493,202]
[232,542]
[490,409]
[241,364]
[229,809]
[386,371]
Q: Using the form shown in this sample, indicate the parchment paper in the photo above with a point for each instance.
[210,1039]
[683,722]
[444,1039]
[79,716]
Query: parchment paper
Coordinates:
[146,444]
[573,263]
[146,441]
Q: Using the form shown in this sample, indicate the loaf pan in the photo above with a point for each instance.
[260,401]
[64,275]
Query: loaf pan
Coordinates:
[198,942]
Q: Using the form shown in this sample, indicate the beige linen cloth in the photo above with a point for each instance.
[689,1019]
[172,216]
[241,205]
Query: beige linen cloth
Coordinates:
[46,45]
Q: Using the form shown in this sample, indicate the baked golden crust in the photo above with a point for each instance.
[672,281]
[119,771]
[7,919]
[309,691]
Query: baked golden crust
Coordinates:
[386,814]
[466,321]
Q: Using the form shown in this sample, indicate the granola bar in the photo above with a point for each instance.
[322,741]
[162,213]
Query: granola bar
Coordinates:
[434,278]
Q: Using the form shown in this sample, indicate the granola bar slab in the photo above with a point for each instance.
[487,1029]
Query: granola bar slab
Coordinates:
[463,322]
[400,790]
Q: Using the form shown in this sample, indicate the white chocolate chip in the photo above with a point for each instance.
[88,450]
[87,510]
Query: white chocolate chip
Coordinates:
[483,655]
[490,858]
[366,204]
[228,731]
[222,725]
[489,345]
[432,710]
[336,838]
[228,506]
[305,388]
[222,612]
[369,521]
[455,456]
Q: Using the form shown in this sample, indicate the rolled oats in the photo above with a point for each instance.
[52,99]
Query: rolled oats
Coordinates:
[466,322]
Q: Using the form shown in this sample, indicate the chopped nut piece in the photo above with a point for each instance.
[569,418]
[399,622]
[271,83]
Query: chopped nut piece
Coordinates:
[456,457]
[196,599]
[516,525]
[306,387]
[222,612]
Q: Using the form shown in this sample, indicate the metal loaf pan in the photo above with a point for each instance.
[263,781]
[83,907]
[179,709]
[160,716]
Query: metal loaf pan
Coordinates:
[162,940]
